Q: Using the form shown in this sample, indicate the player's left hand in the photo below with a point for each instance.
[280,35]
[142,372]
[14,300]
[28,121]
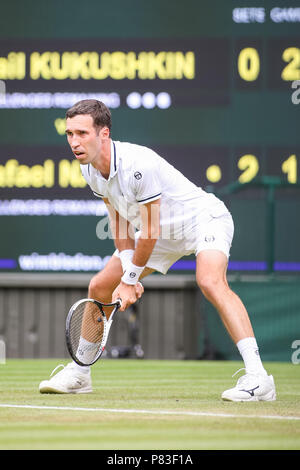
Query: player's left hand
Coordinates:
[128,294]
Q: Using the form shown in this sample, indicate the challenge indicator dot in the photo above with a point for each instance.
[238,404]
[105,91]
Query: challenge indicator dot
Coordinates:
[214,173]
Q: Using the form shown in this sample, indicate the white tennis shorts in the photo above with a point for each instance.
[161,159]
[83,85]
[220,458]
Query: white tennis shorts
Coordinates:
[215,232]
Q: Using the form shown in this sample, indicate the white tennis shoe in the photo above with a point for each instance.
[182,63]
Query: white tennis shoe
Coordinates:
[252,387]
[68,380]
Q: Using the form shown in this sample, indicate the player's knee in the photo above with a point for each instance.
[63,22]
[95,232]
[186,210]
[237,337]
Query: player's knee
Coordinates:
[100,289]
[210,286]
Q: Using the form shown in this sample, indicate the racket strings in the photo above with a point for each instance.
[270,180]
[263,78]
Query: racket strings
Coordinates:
[86,331]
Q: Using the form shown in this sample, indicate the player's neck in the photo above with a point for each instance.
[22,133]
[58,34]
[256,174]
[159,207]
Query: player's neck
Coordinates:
[102,163]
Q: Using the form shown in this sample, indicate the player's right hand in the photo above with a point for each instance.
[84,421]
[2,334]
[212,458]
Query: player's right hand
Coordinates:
[128,294]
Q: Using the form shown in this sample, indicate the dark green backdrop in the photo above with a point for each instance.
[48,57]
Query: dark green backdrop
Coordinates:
[235,105]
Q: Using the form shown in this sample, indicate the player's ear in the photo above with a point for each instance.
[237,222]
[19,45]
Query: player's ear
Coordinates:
[104,132]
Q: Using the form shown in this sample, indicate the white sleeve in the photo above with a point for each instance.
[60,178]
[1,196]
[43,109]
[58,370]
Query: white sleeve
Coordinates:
[98,194]
[146,182]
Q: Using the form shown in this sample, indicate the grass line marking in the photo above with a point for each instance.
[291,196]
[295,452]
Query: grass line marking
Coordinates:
[151,412]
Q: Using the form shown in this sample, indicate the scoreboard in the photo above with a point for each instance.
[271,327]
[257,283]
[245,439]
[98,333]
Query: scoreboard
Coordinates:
[212,86]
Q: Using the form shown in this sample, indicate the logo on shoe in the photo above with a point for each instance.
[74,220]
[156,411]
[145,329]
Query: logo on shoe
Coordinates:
[250,391]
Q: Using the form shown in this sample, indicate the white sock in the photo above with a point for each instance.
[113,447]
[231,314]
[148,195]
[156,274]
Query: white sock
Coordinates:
[249,351]
[82,369]
[86,352]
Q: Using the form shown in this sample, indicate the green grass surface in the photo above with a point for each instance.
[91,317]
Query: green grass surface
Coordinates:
[178,386]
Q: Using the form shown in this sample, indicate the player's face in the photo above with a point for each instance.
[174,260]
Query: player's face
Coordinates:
[85,141]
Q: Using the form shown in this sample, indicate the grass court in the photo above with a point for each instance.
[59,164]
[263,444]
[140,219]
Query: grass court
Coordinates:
[147,405]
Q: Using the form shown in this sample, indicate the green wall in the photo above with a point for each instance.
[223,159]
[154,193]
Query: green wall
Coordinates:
[274,310]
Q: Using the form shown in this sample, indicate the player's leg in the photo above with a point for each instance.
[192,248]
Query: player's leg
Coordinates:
[101,288]
[75,378]
[211,278]
[103,284]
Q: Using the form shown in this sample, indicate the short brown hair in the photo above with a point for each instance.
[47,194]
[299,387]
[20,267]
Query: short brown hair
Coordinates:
[96,109]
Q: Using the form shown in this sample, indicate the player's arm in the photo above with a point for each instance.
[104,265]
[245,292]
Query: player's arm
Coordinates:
[150,228]
[122,233]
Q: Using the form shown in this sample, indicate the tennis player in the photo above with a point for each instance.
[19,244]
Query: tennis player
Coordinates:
[156,217]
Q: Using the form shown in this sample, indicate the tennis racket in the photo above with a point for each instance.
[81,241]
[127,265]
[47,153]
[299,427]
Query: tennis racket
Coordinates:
[87,330]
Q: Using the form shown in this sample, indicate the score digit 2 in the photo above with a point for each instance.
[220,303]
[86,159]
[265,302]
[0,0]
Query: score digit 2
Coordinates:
[284,166]
[249,64]
[249,166]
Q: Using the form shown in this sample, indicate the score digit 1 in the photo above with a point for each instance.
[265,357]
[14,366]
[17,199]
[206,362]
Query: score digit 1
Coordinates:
[289,166]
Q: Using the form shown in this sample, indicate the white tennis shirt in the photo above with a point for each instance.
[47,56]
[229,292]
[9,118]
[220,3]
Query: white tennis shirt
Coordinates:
[138,175]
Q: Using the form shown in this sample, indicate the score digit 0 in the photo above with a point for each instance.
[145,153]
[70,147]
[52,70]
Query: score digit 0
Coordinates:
[248,64]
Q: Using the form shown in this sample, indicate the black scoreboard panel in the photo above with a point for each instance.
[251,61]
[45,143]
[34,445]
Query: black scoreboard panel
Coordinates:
[212,86]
